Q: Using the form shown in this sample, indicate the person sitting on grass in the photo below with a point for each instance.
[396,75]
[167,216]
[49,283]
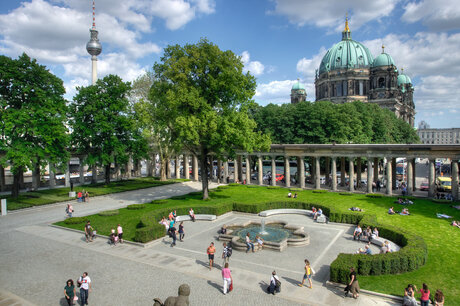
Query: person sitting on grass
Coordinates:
[290,194]
[405,212]
[391,211]
[357,233]
[456,224]
[295,195]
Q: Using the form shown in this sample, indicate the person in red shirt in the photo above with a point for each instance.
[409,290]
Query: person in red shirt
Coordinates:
[425,298]
[211,250]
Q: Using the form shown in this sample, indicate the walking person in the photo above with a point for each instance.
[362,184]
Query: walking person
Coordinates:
[120,233]
[353,286]
[85,288]
[425,298]
[249,244]
[181,231]
[89,232]
[69,292]
[227,278]
[226,253]
[307,274]
[275,284]
[210,251]
[173,234]
[69,210]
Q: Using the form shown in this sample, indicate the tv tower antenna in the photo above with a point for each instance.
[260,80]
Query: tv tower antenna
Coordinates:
[94,47]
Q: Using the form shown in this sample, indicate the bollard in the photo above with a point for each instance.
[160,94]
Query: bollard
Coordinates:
[4,210]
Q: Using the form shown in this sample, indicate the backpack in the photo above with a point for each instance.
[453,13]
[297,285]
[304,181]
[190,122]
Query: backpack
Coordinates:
[79,281]
[229,251]
[278,283]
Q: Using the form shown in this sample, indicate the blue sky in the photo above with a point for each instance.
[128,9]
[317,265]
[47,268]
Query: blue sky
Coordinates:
[279,40]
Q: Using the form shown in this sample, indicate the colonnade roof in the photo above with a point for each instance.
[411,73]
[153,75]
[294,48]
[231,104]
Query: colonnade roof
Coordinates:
[362,150]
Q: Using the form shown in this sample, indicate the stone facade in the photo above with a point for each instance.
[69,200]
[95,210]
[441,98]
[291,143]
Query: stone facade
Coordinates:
[439,136]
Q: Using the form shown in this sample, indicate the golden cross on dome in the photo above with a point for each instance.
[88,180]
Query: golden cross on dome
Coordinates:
[347,29]
[383,48]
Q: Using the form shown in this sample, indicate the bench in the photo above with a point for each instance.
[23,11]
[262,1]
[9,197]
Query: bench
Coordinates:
[379,241]
[266,213]
[197,217]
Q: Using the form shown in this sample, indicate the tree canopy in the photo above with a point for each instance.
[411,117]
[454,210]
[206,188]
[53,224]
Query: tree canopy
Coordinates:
[102,124]
[207,98]
[32,116]
[325,122]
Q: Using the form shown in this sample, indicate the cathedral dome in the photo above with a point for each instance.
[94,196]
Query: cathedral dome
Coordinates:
[347,54]
[383,59]
[403,79]
[297,86]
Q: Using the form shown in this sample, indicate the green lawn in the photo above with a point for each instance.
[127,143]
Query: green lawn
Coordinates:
[43,197]
[443,240]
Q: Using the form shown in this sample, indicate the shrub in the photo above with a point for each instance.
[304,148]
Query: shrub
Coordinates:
[319,191]
[108,213]
[75,220]
[295,189]
[161,201]
[346,193]
[273,187]
[373,195]
[146,234]
[135,206]
[233,184]
[441,201]
[225,186]
[252,186]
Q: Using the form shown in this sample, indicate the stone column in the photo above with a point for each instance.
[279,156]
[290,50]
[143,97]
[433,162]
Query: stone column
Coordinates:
[195,167]
[273,171]
[248,169]
[358,172]
[219,171]
[342,172]
[431,179]
[240,168]
[36,176]
[177,166]
[2,178]
[287,171]
[334,174]
[82,171]
[328,170]
[225,180]
[351,175]
[317,173]
[301,171]
[393,177]
[414,176]
[376,169]
[67,175]
[410,176]
[52,173]
[389,178]
[260,170]
[369,176]
[313,170]
[454,168]
[186,166]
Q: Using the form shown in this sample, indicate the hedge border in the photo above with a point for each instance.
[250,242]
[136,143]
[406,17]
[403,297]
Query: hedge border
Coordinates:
[135,206]
[108,213]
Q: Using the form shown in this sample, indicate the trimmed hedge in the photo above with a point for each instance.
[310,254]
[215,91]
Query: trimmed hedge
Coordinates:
[273,187]
[295,189]
[346,193]
[108,213]
[441,201]
[234,184]
[319,191]
[75,220]
[135,206]
[160,201]
[410,257]
[374,195]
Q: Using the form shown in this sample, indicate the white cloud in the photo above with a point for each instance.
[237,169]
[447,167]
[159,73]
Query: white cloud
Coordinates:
[330,13]
[274,92]
[256,68]
[205,6]
[438,15]
[307,67]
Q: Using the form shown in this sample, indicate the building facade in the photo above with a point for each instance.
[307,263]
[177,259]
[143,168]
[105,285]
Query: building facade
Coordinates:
[348,72]
[439,136]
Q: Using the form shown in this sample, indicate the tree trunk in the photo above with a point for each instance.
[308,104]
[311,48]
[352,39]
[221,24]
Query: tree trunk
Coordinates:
[94,174]
[16,183]
[204,173]
[162,169]
[107,174]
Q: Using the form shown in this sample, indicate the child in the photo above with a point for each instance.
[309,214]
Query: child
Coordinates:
[181,231]
[260,242]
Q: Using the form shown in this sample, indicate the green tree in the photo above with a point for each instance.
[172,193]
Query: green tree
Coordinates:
[102,124]
[152,121]
[206,98]
[32,116]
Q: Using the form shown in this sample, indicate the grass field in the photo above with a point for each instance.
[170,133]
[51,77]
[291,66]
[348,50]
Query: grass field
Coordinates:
[43,197]
[441,271]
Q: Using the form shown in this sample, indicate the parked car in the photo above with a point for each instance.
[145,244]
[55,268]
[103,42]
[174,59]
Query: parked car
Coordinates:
[424,186]
[444,183]
[279,177]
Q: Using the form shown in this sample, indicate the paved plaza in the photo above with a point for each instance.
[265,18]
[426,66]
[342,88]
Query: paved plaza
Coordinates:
[37,259]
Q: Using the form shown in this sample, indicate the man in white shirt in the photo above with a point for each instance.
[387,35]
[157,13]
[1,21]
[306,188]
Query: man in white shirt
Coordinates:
[357,233]
[85,288]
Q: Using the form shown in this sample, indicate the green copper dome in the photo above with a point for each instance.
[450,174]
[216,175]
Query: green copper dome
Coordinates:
[298,86]
[404,79]
[383,59]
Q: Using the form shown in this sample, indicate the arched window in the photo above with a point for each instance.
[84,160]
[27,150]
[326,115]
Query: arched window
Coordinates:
[381,82]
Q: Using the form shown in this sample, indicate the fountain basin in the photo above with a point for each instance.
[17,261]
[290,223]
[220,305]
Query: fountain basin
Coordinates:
[280,235]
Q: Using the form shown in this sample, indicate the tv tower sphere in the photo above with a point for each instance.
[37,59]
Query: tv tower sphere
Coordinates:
[93,46]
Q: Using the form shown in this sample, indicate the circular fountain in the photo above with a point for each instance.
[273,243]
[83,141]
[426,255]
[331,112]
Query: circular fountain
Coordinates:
[277,235]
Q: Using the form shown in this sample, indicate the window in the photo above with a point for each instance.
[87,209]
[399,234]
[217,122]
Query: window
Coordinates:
[361,88]
[381,82]
[345,88]
[339,89]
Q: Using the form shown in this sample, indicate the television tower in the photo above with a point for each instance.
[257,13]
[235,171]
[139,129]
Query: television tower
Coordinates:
[93,46]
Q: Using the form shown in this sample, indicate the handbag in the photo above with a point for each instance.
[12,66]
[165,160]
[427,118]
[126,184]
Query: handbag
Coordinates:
[231,285]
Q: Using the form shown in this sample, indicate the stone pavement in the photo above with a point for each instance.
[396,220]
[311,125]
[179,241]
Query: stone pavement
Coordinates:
[37,259]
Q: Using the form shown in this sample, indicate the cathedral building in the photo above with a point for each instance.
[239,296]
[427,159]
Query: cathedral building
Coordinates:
[348,72]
